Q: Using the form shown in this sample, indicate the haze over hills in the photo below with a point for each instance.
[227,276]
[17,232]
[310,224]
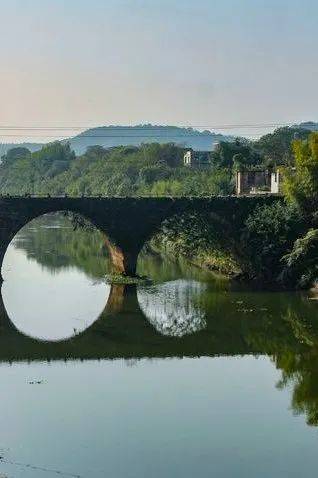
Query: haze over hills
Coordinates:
[5,147]
[109,136]
[311,125]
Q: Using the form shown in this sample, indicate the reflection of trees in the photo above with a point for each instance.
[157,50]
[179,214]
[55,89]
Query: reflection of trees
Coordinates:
[281,325]
[300,370]
[159,267]
[173,307]
[57,242]
[206,319]
[52,241]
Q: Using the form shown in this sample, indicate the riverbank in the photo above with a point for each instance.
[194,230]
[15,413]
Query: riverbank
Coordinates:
[202,256]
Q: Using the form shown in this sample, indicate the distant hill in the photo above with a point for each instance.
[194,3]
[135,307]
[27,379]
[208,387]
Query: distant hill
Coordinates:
[5,147]
[109,136]
[310,125]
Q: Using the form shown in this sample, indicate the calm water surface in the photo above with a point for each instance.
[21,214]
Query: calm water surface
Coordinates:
[184,377]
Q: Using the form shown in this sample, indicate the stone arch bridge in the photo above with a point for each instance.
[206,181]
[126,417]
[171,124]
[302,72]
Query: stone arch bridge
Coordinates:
[127,223]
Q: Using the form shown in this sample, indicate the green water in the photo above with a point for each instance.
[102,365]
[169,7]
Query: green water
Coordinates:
[187,376]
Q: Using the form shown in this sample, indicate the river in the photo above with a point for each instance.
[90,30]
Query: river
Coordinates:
[185,376]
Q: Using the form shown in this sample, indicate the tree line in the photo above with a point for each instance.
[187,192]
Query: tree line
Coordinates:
[150,169]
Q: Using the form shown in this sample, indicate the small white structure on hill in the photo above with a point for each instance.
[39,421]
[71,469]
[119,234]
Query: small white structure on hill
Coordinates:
[275,182]
[196,159]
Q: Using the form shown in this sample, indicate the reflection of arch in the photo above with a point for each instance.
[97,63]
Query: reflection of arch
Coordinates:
[122,331]
[172,308]
[126,222]
[7,327]
[121,305]
[120,323]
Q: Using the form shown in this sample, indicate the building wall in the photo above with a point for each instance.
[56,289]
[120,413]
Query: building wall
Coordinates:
[253,182]
[187,158]
[196,159]
[275,182]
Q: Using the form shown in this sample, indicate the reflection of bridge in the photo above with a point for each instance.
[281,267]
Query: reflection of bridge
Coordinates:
[126,222]
[123,331]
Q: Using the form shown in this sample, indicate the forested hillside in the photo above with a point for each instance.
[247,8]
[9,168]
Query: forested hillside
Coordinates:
[149,169]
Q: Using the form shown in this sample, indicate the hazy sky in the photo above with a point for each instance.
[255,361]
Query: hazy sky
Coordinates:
[199,62]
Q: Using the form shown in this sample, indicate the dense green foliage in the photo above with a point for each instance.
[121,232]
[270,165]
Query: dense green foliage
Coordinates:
[270,232]
[240,153]
[282,239]
[301,191]
[199,239]
[301,264]
[152,169]
[22,172]
[149,169]
[274,149]
[301,185]
[277,148]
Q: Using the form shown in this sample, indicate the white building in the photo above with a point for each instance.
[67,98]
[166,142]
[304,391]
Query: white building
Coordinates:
[196,159]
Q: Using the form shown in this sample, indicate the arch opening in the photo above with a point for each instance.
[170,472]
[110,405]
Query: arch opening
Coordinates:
[199,238]
[54,287]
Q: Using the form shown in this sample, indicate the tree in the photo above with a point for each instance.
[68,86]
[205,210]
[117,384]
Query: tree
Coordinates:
[277,147]
[55,151]
[226,152]
[151,174]
[16,153]
[270,232]
[239,162]
[95,151]
[301,185]
[301,264]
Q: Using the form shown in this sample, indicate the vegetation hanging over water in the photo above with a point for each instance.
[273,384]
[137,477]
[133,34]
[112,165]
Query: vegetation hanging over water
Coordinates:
[199,240]
[282,239]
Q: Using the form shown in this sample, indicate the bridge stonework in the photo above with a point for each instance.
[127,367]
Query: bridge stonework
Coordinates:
[127,223]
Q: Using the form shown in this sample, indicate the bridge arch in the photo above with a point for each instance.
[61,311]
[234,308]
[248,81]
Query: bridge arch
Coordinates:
[126,222]
[19,225]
